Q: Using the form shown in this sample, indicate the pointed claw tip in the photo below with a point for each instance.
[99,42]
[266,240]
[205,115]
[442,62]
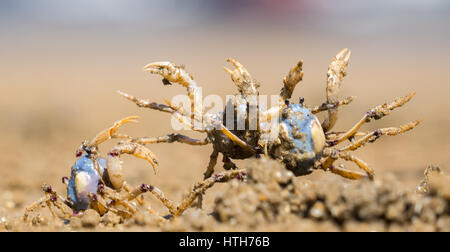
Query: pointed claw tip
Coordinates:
[235,63]
[341,53]
[130,119]
[123,94]
[155,65]
[154,167]
[344,55]
[147,67]
[410,96]
[347,57]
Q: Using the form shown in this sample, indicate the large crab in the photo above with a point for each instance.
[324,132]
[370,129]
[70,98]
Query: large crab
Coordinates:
[302,143]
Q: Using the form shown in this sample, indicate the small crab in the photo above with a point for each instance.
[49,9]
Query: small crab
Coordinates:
[97,183]
[303,142]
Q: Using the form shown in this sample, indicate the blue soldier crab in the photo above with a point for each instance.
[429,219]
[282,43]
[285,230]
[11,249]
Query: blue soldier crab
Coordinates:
[97,183]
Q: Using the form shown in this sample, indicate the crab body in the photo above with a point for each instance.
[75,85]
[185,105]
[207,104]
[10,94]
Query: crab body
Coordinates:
[301,140]
[223,144]
[84,180]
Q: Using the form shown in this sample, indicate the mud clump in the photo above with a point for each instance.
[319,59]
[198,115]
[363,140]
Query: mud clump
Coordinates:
[90,219]
[271,198]
[273,195]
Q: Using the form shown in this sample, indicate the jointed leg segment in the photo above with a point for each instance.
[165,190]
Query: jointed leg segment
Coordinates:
[376,114]
[335,75]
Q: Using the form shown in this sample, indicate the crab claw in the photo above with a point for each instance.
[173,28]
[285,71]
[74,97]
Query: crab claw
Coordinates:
[114,163]
[336,70]
[170,72]
[108,133]
[242,78]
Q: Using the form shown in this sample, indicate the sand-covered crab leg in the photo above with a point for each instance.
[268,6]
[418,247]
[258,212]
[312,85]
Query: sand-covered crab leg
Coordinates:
[335,75]
[110,132]
[331,155]
[115,164]
[51,199]
[242,79]
[170,138]
[181,116]
[376,114]
[374,135]
[177,74]
[200,188]
[145,103]
[329,106]
[345,173]
[294,76]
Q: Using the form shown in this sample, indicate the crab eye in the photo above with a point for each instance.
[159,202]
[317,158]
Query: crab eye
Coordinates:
[317,136]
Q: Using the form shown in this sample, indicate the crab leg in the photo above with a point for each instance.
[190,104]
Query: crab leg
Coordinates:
[291,80]
[329,106]
[98,204]
[330,136]
[374,135]
[169,108]
[376,114]
[116,199]
[173,73]
[228,164]
[331,155]
[212,163]
[204,185]
[242,79]
[181,116]
[346,173]
[51,199]
[110,132]
[146,104]
[115,165]
[336,72]
[170,139]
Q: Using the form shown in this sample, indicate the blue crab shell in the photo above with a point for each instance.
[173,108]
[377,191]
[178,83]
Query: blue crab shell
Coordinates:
[83,180]
[302,139]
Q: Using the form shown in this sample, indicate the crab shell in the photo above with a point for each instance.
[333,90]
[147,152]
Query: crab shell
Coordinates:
[84,180]
[301,139]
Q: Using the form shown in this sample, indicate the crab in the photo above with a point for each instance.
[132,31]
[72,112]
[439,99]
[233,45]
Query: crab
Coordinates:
[97,183]
[302,143]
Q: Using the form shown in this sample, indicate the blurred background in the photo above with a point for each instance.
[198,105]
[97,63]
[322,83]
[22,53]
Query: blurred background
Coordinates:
[61,63]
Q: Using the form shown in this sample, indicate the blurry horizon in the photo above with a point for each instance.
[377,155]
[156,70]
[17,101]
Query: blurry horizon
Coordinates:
[395,17]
